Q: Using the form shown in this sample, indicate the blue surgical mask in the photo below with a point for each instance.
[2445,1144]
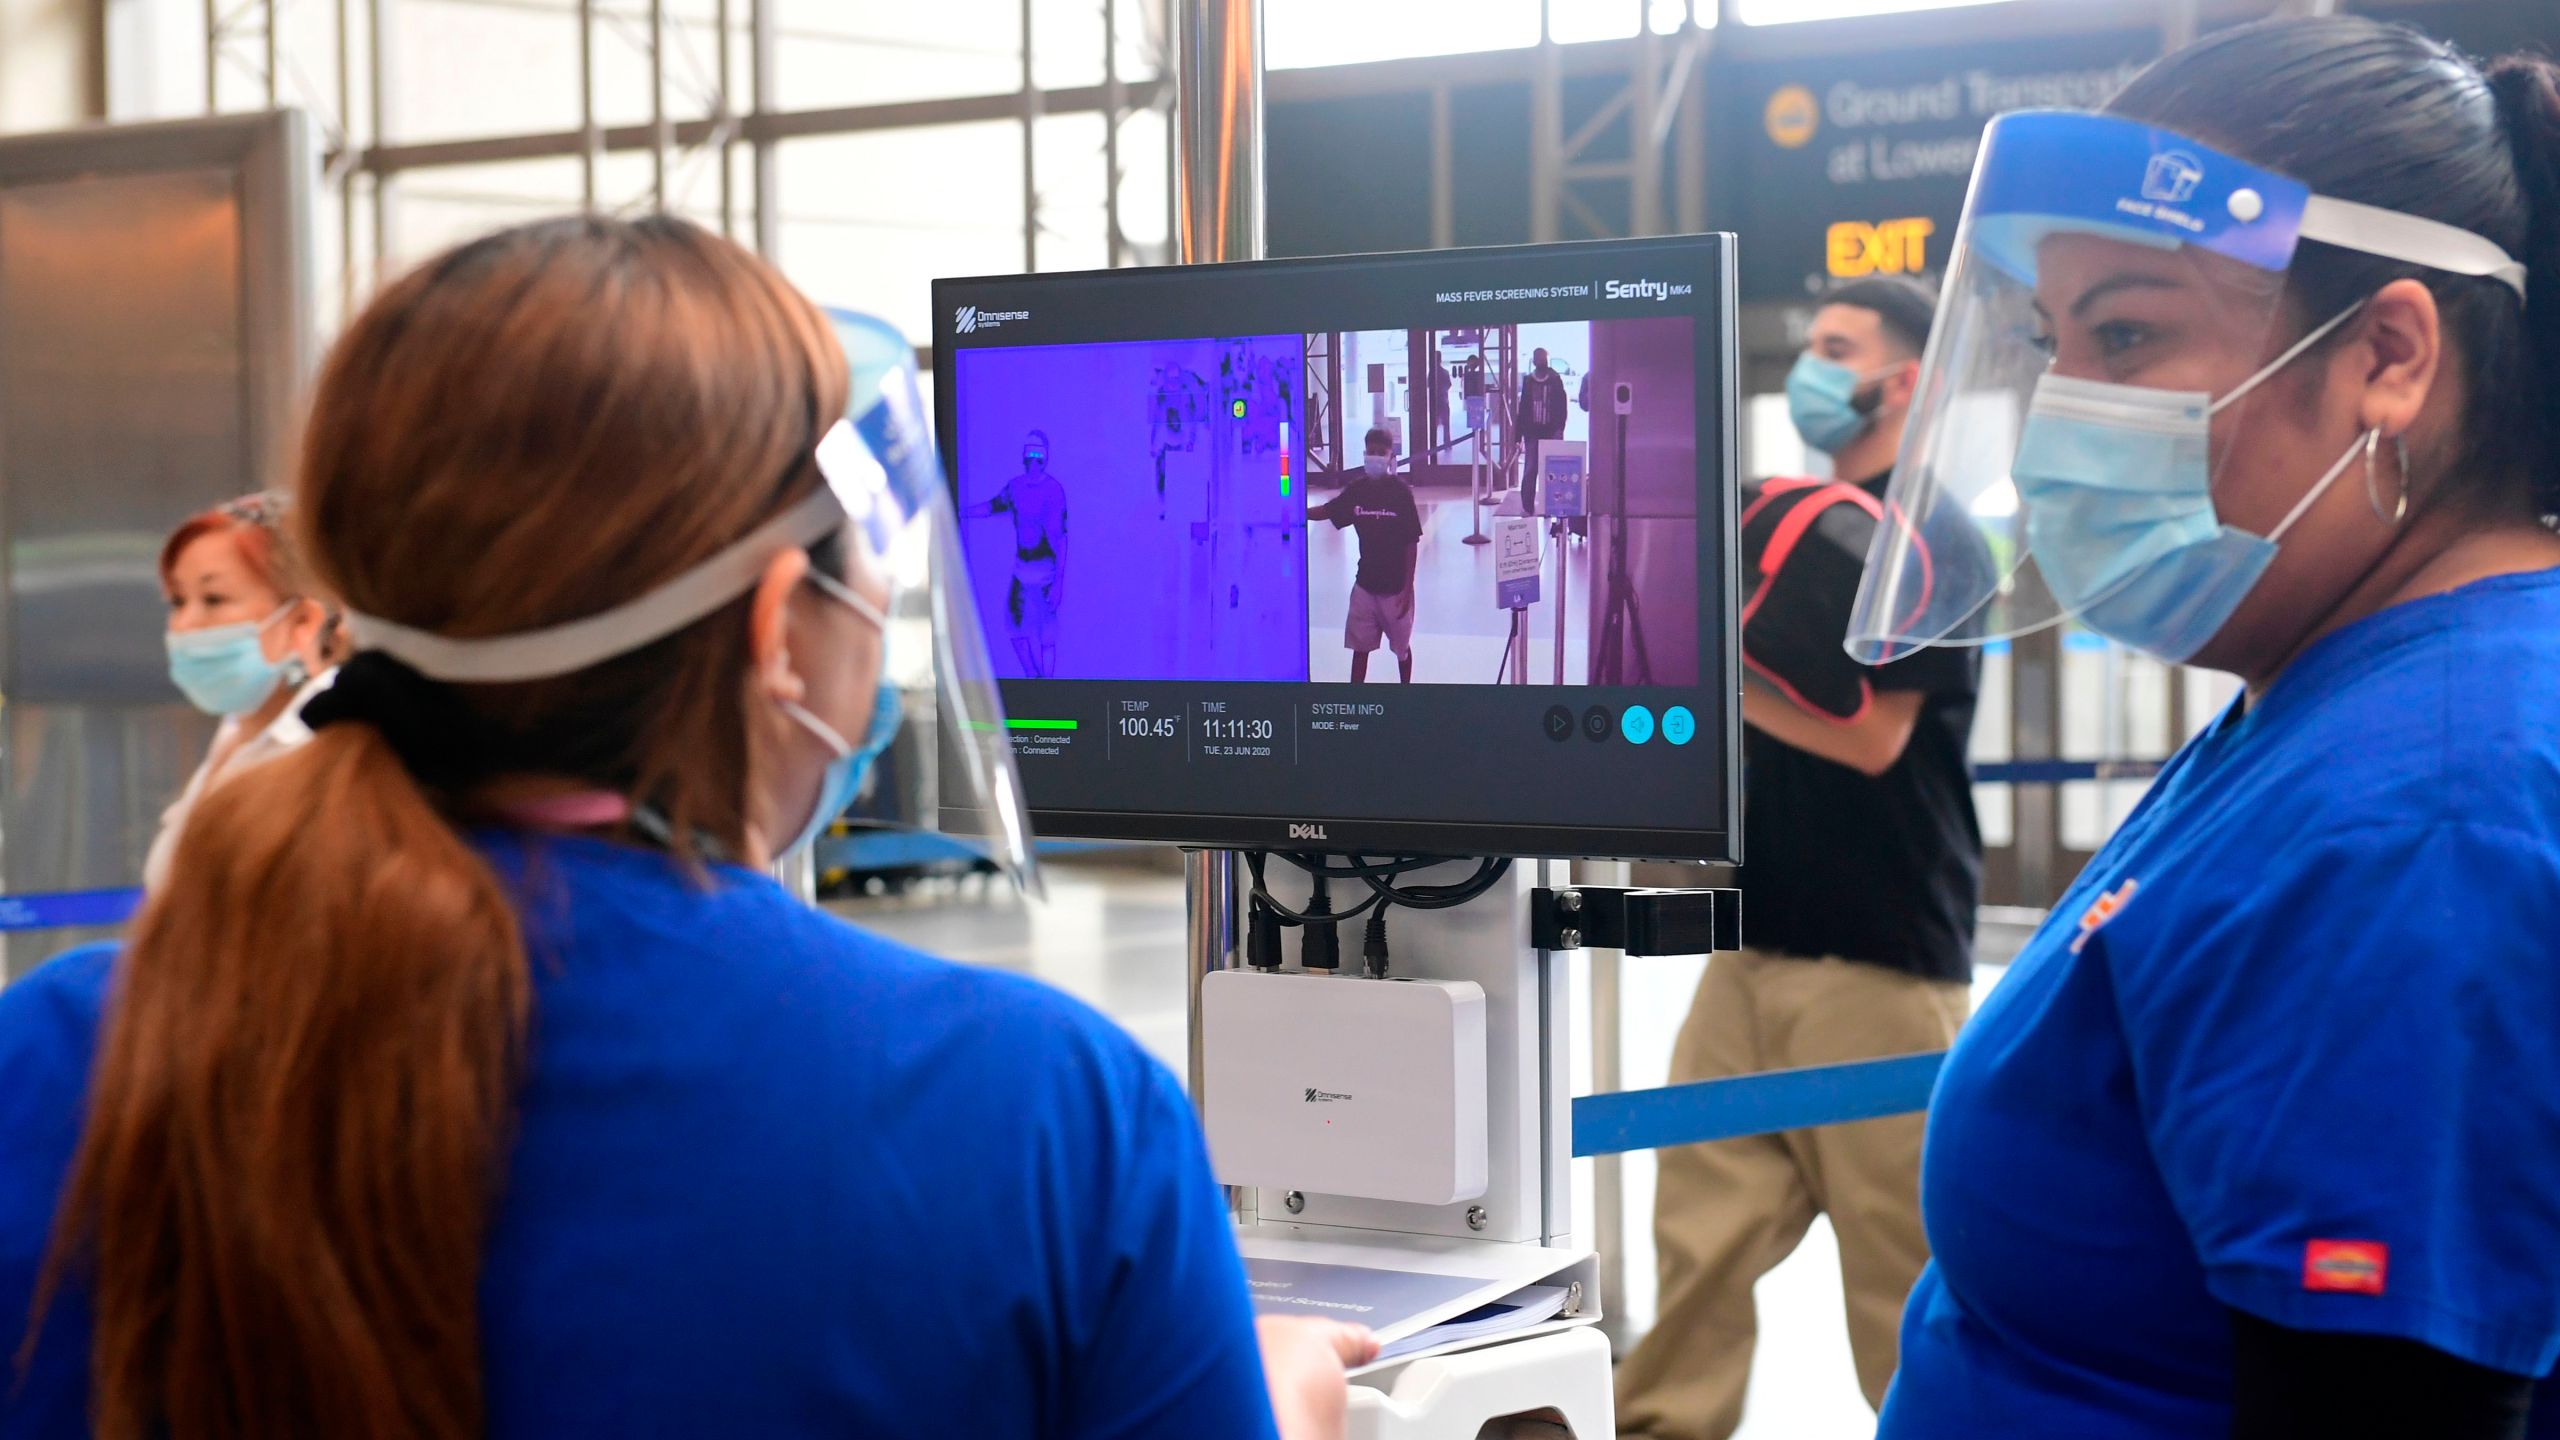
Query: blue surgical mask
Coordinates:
[223,670]
[851,768]
[846,774]
[1378,464]
[1822,398]
[2118,488]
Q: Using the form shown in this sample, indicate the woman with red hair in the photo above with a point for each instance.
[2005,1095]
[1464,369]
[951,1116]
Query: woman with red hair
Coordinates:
[248,643]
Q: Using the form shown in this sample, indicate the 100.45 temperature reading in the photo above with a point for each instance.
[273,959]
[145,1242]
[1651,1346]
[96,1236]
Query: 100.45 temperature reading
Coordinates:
[1218,728]
[1150,727]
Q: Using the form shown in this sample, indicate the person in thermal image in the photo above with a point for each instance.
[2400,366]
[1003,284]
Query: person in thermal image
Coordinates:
[1541,417]
[1038,505]
[1381,507]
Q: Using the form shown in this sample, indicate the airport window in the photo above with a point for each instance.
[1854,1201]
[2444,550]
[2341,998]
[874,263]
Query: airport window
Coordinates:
[1305,33]
[1786,12]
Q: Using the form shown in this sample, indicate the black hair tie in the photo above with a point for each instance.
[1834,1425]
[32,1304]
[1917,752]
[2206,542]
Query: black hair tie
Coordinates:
[424,721]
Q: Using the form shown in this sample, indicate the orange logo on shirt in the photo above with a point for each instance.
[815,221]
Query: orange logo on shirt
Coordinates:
[2102,910]
[2348,1267]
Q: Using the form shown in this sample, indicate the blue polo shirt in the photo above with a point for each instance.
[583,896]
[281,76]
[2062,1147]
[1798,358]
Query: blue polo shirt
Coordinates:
[2287,1047]
[774,1177]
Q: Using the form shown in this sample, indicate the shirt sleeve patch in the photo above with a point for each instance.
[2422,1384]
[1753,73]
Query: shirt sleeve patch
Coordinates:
[2105,908]
[2346,1267]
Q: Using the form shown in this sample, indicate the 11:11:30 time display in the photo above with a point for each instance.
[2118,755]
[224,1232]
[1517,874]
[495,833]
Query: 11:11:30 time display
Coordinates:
[1216,727]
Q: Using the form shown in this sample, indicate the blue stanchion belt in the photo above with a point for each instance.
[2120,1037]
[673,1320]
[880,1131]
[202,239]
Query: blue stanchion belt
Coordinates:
[2057,772]
[1753,1104]
[61,909]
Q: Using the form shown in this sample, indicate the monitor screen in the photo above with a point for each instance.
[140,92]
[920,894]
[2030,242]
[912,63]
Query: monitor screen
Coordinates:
[1423,553]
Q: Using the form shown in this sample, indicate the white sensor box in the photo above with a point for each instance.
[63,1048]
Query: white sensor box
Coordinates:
[1338,1085]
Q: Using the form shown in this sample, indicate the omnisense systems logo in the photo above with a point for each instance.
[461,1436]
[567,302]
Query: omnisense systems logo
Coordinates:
[969,319]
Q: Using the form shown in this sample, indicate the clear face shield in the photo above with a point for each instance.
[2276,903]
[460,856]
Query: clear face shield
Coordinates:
[949,770]
[2116,304]
[933,756]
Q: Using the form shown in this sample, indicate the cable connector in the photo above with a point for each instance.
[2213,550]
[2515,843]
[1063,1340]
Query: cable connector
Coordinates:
[1321,947]
[1262,937]
[1373,944]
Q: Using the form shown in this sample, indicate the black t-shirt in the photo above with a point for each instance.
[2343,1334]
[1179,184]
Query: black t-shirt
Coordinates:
[1383,510]
[1542,405]
[1886,870]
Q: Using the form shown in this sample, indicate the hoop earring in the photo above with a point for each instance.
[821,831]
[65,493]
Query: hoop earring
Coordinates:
[2373,492]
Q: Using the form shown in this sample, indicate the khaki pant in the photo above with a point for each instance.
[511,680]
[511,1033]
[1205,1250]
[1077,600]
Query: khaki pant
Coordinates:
[1726,1213]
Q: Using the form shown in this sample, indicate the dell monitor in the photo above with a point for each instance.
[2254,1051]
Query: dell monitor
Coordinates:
[1406,554]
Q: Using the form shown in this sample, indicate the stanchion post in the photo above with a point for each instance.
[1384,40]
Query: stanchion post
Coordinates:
[1217,173]
[1608,1076]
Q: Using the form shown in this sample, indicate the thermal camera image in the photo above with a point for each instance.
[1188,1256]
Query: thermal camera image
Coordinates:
[1504,504]
[1136,511]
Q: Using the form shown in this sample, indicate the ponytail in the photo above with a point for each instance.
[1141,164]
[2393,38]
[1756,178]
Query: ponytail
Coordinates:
[299,1113]
[2528,91]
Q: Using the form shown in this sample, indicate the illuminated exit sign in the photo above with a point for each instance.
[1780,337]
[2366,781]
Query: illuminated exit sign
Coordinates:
[1857,249]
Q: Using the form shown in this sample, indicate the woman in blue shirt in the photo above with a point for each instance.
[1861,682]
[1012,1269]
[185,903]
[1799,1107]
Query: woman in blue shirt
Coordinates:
[2261,1135]
[470,1078]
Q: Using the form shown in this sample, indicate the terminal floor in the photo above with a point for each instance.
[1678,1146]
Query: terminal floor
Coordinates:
[1112,936]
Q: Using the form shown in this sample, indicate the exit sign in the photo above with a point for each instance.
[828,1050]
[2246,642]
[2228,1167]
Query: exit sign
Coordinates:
[1857,249]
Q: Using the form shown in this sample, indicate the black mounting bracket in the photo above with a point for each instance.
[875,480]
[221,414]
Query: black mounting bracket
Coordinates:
[1635,922]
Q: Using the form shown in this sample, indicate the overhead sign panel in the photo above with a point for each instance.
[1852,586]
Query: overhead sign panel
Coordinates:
[1851,166]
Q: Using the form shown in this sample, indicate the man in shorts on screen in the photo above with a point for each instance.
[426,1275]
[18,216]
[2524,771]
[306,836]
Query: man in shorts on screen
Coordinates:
[1038,505]
[1380,507]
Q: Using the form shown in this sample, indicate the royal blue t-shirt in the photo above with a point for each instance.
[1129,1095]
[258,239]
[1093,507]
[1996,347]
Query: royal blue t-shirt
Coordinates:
[775,1177]
[2291,1046]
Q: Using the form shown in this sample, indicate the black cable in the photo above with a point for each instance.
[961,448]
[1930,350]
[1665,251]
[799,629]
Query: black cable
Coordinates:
[1262,937]
[1373,945]
[1253,860]
[1379,876]
[1380,879]
[1321,947]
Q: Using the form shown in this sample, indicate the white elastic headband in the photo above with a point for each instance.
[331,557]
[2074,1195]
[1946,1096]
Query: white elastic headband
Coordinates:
[577,644]
[2409,238]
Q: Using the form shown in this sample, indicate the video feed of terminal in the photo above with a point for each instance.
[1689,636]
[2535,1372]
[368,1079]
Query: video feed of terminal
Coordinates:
[1345,572]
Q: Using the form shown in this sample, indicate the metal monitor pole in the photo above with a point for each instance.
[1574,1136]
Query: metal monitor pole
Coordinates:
[1217,75]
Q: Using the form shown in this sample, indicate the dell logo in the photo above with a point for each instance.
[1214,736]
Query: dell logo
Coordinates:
[1323,1097]
[1306,832]
[965,319]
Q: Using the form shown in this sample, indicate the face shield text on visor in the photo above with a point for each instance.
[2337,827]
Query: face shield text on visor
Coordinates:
[2114,303]
[936,757]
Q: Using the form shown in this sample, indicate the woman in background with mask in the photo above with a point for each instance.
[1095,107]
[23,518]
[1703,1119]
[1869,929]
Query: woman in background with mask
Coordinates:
[472,1076]
[248,644]
[2260,1137]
